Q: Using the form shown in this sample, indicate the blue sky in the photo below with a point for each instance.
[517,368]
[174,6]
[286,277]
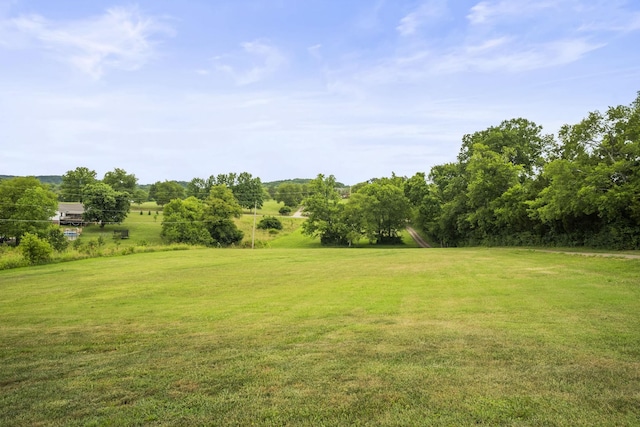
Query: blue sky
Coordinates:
[291,88]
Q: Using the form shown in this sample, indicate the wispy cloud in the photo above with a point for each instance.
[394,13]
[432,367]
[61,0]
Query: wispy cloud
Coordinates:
[425,14]
[559,33]
[489,11]
[122,38]
[257,60]
[509,57]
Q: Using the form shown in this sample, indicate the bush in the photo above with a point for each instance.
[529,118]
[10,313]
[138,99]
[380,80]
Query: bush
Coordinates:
[57,239]
[285,210]
[270,223]
[77,244]
[34,249]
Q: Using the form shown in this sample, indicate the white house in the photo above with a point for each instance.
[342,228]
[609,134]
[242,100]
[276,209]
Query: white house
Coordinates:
[69,214]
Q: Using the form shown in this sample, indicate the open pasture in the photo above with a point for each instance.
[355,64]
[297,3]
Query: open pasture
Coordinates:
[322,337]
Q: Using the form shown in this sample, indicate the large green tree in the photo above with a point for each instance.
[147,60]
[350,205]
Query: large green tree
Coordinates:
[74,182]
[386,210]
[290,193]
[199,188]
[121,181]
[165,191]
[519,142]
[324,212]
[248,191]
[220,208]
[105,205]
[26,206]
[198,222]
[183,222]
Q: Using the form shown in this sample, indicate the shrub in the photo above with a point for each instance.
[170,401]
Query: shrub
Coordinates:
[270,223]
[77,244]
[57,239]
[285,210]
[34,249]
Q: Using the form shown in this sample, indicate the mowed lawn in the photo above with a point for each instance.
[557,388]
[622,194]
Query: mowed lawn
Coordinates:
[323,337]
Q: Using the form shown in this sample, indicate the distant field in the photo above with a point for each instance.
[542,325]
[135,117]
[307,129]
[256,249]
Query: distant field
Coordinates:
[145,224]
[323,337]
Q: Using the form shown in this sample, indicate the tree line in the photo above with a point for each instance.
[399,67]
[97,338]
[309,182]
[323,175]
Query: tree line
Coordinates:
[511,184]
[514,185]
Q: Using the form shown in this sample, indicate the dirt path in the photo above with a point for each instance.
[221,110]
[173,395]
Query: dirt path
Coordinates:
[419,240]
[298,214]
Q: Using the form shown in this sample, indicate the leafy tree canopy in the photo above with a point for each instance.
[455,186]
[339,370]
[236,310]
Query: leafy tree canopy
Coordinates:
[74,182]
[26,205]
[104,205]
[164,192]
[121,181]
[209,222]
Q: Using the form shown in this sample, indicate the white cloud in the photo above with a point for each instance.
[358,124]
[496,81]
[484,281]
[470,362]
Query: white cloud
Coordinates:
[122,38]
[257,60]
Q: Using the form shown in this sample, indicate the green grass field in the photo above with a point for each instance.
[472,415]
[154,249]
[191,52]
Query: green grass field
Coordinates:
[442,337]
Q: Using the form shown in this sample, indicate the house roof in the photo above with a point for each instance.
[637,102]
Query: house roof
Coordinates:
[71,208]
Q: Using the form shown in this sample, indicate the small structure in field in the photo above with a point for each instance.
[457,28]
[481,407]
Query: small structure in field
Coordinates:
[122,234]
[69,214]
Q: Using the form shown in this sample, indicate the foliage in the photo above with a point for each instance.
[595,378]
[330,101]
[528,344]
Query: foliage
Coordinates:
[57,239]
[34,249]
[198,222]
[183,222]
[377,209]
[164,192]
[27,207]
[291,194]
[74,182]
[385,210]
[324,211]
[199,188]
[247,190]
[121,181]
[105,205]
[514,185]
[140,196]
[270,222]
[220,207]
[285,210]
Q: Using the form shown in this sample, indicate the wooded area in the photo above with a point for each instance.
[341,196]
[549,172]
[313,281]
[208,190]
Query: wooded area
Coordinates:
[514,185]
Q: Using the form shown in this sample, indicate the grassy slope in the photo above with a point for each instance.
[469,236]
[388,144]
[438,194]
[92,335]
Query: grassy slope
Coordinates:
[329,336]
